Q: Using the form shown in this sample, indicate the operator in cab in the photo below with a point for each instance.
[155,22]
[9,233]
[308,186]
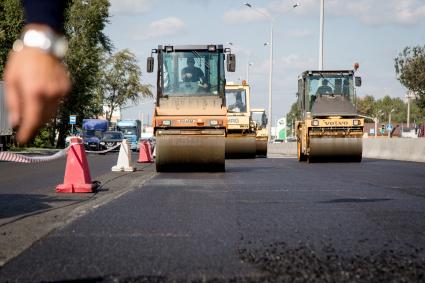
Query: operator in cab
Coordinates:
[239,105]
[324,88]
[193,74]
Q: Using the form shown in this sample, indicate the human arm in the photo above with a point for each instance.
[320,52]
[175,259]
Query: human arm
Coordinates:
[35,80]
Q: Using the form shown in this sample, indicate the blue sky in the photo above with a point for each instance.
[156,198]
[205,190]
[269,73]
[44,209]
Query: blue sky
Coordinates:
[371,32]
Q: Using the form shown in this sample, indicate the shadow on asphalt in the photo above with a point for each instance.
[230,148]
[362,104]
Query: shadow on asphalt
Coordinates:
[356,200]
[12,205]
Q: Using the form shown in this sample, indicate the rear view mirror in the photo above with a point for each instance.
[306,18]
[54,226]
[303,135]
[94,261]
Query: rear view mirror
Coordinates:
[150,64]
[358,81]
[231,62]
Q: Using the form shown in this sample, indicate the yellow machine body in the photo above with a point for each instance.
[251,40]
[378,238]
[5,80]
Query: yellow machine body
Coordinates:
[240,139]
[330,129]
[260,128]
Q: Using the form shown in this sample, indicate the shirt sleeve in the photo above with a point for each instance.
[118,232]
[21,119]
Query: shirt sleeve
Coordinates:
[48,12]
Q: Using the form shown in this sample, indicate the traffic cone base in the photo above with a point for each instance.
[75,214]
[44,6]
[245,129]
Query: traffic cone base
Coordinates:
[70,188]
[77,177]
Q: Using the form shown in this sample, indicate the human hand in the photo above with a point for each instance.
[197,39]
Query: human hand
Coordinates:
[35,83]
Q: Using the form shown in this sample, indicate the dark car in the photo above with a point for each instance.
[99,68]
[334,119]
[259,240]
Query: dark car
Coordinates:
[110,139]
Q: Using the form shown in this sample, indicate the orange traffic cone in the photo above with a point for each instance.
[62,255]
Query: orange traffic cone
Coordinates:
[144,153]
[77,173]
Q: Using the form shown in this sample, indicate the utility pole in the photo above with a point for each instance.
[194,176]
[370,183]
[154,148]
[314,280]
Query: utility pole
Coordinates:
[322,24]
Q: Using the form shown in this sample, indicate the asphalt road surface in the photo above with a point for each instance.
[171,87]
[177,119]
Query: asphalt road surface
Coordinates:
[263,220]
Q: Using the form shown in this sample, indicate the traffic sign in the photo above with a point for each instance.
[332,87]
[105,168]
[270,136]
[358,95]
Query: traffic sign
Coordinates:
[372,131]
[72,119]
[389,127]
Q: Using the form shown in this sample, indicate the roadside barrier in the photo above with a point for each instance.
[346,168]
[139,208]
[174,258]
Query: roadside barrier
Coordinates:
[145,153]
[77,177]
[14,157]
[124,159]
[20,158]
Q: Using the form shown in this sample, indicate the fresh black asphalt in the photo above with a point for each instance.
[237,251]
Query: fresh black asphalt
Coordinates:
[263,220]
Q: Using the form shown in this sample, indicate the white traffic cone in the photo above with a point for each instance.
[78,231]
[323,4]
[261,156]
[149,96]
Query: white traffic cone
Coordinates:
[124,159]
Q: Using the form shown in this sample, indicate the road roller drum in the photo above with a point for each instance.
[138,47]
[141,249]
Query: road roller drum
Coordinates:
[261,147]
[190,153]
[240,146]
[335,149]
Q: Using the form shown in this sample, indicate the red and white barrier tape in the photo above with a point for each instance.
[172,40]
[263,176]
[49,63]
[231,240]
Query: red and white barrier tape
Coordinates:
[14,157]
[19,158]
[104,151]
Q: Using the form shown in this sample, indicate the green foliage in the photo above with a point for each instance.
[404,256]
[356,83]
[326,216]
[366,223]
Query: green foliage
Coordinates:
[381,108]
[43,138]
[410,68]
[11,22]
[85,22]
[294,113]
[120,81]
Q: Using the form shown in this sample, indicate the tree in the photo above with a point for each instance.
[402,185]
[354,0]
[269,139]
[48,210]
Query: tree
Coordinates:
[120,81]
[410,69]
[84,25]
[11,23]
[366,106]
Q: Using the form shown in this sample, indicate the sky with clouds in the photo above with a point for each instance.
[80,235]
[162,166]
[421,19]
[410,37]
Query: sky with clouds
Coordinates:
[371,32]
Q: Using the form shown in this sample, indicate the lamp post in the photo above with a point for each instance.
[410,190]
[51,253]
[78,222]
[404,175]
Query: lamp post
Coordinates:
[270,18]
[389,122]
[248,64]
[322,24]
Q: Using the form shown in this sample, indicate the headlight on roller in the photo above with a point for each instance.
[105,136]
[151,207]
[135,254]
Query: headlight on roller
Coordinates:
[356,122]
[213,122]
[166,122]
[315,123]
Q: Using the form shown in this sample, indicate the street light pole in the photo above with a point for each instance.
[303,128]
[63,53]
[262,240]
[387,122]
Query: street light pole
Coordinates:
[322,16]
[389,123]
[270,18]
[270,80]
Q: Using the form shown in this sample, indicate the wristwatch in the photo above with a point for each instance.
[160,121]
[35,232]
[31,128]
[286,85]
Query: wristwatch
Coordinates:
[46,40]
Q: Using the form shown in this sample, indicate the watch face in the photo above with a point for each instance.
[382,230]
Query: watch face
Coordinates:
[34,38]
[45,40]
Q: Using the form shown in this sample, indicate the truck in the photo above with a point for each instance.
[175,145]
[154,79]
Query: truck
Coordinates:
[329,128]
[190,113]
[132,130]
[6,130]
[93,130]
[240,139]
[259,125]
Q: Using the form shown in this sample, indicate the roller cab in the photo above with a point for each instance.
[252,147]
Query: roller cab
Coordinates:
[330,128]
[240,140]
[189,120]
[259,125]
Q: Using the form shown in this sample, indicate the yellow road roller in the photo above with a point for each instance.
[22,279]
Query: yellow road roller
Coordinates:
[330,128]
[189,119]
[259,126]
[240,140]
